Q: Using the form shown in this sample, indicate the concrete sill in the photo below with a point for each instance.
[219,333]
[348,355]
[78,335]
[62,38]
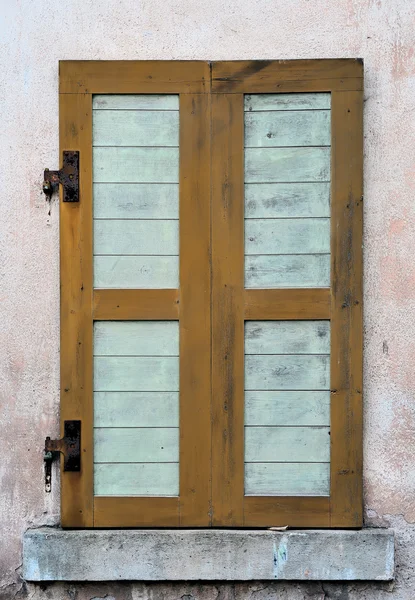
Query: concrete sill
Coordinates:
[186,555]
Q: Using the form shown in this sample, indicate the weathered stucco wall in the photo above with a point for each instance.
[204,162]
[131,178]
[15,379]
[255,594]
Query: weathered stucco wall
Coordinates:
[34,35]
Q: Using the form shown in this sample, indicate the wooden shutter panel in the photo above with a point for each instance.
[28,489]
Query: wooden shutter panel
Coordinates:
[215,255]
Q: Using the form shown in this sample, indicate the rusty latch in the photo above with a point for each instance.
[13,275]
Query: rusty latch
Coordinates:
[68,177]
[69,446]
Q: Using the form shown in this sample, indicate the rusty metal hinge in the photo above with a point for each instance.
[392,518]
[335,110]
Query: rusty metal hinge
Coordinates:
[69,446]
[68,177]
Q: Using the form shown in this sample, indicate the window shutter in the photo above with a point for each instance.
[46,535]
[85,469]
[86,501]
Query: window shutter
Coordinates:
[211,314]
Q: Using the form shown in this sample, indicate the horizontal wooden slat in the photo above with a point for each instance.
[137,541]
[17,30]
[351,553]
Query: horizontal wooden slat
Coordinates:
[287,337]
[281,200]
[136,272]
[135,128]
[131,237]
[307,270]
[136,304]
[136,338]
[287,372]
[296,511]
[289,479]
[287,236]
[135,444]
[287,304]
[287,128]
[142,373]
[287,444]
[140,479]
[136,165]
[287,408]
[136,409]
[268,165]
[136,201]
[135,102]
[136,511]
[259,102]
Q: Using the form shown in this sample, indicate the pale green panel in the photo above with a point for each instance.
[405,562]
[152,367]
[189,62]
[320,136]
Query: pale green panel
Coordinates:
[136,165]
[287,128]
[126,272]
[287,337]
[136,338]
[302,101]
[287,479]
[135,444]
[135,128]
[268,165]
[281,200]
[135,102]
[136,409]
[307,270]
[287,236]
[136,237]
[138,373]
[287,372]
[136,201]
[287,444]
[140,479]
[287,408]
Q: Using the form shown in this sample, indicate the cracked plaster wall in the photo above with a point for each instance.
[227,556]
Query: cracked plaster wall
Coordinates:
[34,35]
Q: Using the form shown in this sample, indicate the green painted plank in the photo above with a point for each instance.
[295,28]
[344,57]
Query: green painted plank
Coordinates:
[287,236]
[126,272]
[287,408]
[287,479]
[136,237]
[287,444]
[269,165]
[301,101]
[287,128]
[287,372]
[136,444]
[281,200]
[135,102]
[135,128]
[307,270]
[139,479]
[287,337]
[136,165]
[136,338]
[130,374]
[136,409]
[136,201]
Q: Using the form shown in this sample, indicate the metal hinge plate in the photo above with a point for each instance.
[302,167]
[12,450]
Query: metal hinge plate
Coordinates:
[68,177]
[69,446]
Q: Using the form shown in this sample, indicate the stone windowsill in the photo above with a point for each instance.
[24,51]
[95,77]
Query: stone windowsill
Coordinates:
[186,555]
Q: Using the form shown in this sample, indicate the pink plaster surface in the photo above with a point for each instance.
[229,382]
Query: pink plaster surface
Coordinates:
[34,36]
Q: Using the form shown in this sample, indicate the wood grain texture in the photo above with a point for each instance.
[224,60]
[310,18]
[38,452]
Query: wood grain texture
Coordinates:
[136,409]
[75,125]
[135,128]
[287,372]
[135,102]
[298,511]
[287,236]
[310,101]
[195,312]
[132,373]
[287,337]
[136,304]
[140,479]
[136,511]
[282,200]
[135,165]
[136,445]
[287,444]
[287,128]
[227,310]
[136,201]
[295,270]
[287,408]
[346,350]
[287,304]
[136,237]
[129,272]
[287,479]
[133,76]
[273,165]
[140,338]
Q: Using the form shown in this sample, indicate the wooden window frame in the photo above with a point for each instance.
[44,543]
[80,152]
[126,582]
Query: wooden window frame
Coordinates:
[212,304]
